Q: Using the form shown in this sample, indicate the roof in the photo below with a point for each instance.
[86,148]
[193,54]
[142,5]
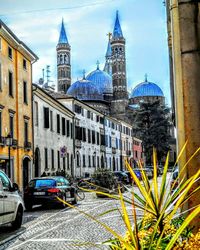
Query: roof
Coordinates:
[23,46]
[117,32]
[102,81]
[146,89]
[109,50]
[63,36]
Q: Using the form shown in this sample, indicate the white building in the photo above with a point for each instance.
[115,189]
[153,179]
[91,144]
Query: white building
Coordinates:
[53,134]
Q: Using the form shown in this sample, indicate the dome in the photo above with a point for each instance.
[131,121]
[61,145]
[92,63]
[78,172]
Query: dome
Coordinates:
[102,81]
[146,89]
[84,90]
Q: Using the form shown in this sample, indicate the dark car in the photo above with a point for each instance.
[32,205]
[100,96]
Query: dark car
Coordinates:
[122,176]
[45,190]
[159,169]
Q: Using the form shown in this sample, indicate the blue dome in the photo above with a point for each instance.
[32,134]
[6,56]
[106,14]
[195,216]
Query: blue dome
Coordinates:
[146,89]
[84,90]
[102,81]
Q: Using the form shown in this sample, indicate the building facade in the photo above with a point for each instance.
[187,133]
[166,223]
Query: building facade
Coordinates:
[53,135]
[16,142]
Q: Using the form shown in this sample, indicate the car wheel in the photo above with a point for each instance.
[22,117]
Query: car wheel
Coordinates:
[28,206]
[18,220]
[63,197]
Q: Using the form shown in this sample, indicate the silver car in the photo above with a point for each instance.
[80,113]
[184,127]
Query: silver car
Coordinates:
[11,203]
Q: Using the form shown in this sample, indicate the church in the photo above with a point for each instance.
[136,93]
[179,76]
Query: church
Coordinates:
[105,90]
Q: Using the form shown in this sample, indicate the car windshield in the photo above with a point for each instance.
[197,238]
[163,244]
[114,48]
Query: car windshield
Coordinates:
[45,183]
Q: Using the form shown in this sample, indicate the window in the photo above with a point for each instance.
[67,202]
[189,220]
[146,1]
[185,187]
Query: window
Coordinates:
[97,118]
[101,120]
[58,158]
[24,64]
[71,125]
[64,164]
[77,109]
[110,141]
[94,161]
[52,159]
[84,161]
[84,134]
[0,77]
[36,113]
[88,114]
[46,117]
[5,181]
[97,138]
[68,161]
[46,158]
[11,126]
[89,136]
[102,140]
[68,128]
[63,126]
[78,133]
[58,124]
[51,120]
[93,137]
[25,92]
[10,52]
[89,161]
[91,116]
[10,83]
[25,131]
[98,161]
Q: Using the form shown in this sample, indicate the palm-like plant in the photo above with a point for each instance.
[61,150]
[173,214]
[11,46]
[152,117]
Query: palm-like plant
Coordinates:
[159,204]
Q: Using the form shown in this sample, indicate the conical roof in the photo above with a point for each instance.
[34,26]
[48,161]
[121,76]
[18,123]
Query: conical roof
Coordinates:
[117,32]
[63,36]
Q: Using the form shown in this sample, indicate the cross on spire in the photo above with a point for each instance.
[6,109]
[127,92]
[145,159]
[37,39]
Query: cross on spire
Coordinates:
[84,74]
[98,63]
[145,77]
[109,35]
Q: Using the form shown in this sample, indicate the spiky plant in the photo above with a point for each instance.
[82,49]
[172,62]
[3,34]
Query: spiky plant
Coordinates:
[159,205]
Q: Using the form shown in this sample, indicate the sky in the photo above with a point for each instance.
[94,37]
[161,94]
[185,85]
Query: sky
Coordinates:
[87,23]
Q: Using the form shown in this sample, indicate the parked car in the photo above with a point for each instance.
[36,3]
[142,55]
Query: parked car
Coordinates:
[11,203]
[45,190]
[148,171]
[159,169]
[174,182]
[122,176]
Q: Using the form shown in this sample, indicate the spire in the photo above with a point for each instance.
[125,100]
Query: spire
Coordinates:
[117,32]
[98,63]
[63,36]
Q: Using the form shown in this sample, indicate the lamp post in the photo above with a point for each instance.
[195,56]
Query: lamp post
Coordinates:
[9,144]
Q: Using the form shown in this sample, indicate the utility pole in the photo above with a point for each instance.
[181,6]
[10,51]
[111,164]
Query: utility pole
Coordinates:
[184,29]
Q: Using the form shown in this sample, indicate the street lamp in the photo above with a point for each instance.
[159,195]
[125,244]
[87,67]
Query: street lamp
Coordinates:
[9,144]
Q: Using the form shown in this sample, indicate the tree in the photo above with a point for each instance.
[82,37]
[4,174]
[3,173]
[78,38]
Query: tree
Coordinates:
[152,125]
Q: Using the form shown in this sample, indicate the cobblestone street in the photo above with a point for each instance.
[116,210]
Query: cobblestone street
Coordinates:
[61,228]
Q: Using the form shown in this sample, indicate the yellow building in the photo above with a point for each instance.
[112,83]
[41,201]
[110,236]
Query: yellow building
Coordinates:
[16,61]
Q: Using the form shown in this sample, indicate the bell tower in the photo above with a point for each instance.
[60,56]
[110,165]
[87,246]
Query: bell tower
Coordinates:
[63,61]
[120,94]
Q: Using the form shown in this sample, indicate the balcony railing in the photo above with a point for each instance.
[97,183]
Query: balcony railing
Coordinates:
[27,145]
[102,148]
[14,143]
[113,150]
[77,143]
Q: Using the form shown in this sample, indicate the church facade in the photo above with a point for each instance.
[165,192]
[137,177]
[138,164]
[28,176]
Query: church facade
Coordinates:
[105,90]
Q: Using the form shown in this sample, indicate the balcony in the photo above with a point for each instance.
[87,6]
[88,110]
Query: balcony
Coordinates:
[77,143]
[2,141]
[14,143]
[113,150]
[103,148]
[128,152]
[27,145]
